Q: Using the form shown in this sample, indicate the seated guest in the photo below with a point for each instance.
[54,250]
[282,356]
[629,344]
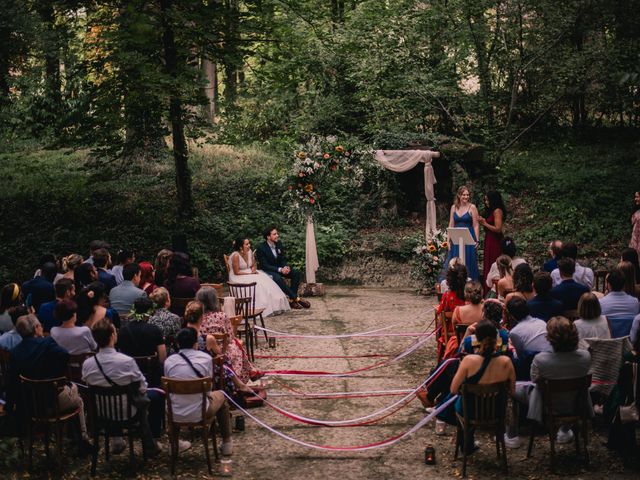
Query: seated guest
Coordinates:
[492,310]
[522,283]
[444,287]
[617,304]
[40,358]
[180,281]
[564,362]
[582,275]
[93,246]
[139,339]
[629,272]
[527,334]
[168,323]
[75,340]
[9,297]
[40,289]
[509,249]
[631,255]
[10,339]
[454,297]
[146,277]
[101,260]
[124,257]
[189,364]
[471,311]
[482,368]
[92,301]
[543,305]
[568,291]
[215,321]
[592,324]
[554,251]
[505,284]
[123,296]
[65,289]
[161,266]
[69,264]
[120,369]
[193,316]
[84,275]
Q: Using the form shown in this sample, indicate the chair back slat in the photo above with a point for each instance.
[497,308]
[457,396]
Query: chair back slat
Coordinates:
[489,402]
[74,366]
[244,290]
[5,357]
[41,397]
[575,388]
[186,387]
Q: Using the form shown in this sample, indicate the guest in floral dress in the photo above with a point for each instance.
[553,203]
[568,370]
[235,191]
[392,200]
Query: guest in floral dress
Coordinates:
[193,316]
[168,323]
[215,321]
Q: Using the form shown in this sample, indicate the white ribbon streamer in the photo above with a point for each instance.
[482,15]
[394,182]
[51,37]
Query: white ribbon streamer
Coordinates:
[385,443]
[346,335]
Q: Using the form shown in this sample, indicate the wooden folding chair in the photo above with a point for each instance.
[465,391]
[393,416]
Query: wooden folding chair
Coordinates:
[242,307]
[74,366]
[248,290]
[579,416]
[179,304]
[483,407]
[202,386]
[41,404]
[443,322]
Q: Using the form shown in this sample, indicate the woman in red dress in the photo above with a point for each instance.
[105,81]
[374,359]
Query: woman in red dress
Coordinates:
[495,216]
[452,298]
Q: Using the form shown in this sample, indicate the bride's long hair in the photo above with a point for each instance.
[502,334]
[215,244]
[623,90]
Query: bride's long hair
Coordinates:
[238,243]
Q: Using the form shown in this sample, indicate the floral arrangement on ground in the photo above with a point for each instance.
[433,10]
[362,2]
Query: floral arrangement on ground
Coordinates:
[428,258]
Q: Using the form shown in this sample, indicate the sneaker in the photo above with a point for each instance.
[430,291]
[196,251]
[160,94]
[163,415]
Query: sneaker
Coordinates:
[227,447]
[183,445]
[564,436]
[512,442]
[441,427]
[118,445]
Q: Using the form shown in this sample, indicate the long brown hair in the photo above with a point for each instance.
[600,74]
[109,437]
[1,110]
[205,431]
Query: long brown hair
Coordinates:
[461,189]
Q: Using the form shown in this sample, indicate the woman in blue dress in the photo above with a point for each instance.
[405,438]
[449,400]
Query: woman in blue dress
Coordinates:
[465,214]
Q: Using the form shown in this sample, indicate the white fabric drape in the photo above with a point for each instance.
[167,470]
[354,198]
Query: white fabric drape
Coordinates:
[311,254]
[403,160]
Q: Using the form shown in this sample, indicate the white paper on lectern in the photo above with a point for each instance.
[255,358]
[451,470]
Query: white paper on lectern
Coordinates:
[461,236]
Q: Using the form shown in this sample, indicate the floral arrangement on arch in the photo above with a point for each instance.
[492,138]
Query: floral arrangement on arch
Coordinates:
[313,164]
[429,257]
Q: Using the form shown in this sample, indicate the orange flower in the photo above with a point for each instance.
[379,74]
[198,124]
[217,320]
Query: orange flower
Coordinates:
[301,155]
[445,245]
[432,248]
[308,187]
[339,149]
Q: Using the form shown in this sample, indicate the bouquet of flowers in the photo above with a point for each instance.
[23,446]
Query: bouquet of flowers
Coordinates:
[312,164]
[429,257]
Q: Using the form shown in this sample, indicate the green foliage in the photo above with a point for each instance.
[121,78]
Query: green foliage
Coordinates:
[580,192]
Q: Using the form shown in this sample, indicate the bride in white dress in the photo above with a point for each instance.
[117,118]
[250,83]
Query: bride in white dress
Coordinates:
[242,269]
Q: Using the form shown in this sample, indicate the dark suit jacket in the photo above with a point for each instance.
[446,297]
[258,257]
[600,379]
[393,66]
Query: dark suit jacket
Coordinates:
[269,263]
[41,291]
[107,279]
[569,292]
[37,358]
[545,307]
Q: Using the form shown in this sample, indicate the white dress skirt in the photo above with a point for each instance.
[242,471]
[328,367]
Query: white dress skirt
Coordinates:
[268,293]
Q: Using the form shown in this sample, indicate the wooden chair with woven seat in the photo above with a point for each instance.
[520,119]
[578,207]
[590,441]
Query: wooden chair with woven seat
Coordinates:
[580,415]
[42,409]
[483,407]
[248,290]
[201,386]
[112,409]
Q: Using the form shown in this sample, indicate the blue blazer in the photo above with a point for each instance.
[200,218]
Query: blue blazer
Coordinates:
[269,263]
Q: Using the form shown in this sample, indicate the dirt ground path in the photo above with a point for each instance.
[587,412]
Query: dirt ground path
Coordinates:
[262,455]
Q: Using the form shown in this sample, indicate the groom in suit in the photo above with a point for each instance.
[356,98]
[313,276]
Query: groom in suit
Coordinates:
[272,261]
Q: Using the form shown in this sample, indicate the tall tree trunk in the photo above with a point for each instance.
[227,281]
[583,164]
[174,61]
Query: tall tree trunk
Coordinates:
[211,88]
[180,152]
[51,55]
[231,54]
